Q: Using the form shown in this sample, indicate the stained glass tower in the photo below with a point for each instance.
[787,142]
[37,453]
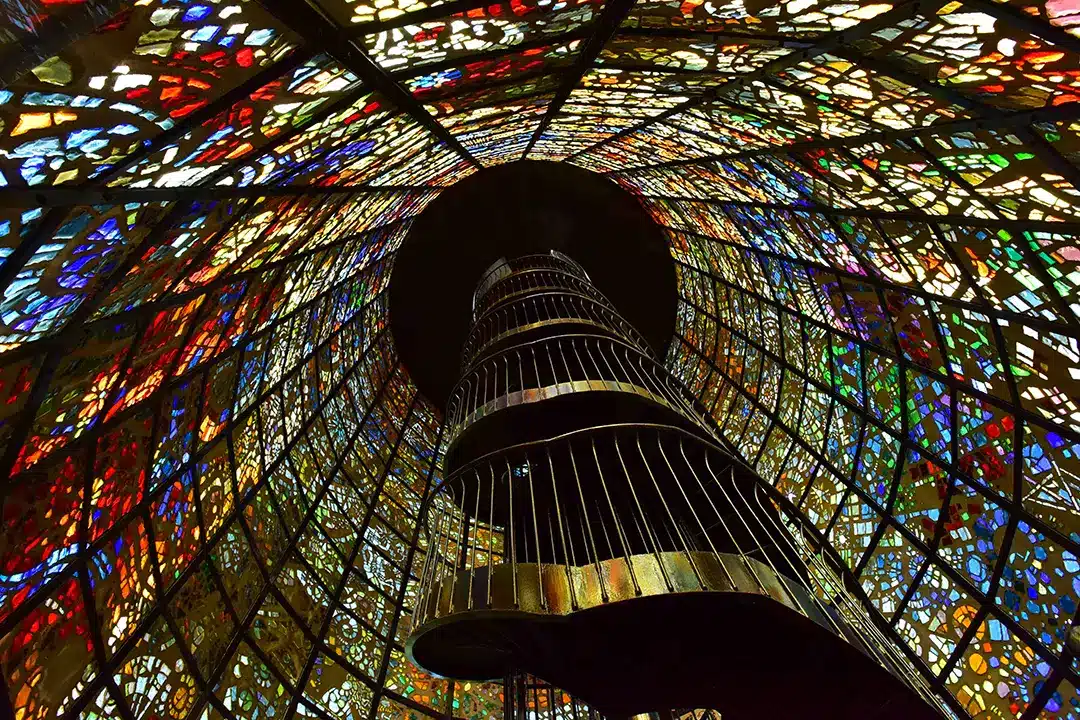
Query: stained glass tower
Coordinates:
[214,458]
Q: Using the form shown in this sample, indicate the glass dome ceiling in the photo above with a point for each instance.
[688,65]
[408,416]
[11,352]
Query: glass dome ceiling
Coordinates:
[214,459]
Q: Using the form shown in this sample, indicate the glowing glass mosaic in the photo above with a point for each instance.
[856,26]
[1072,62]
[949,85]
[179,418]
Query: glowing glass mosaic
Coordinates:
[214,460]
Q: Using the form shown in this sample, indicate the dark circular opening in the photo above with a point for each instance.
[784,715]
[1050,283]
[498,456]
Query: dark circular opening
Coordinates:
[511,210]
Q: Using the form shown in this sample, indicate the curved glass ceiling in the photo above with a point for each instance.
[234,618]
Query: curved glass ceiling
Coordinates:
[214,459]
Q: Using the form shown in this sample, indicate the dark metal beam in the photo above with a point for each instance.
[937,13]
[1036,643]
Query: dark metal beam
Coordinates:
[320,31]
[60,196]
[1021,119]
[399,601]
[613,14]
[493,54]
[661,69]
[1011,15]
[459,91]
[435,12]
[827,44]
[725,36]
[908,216]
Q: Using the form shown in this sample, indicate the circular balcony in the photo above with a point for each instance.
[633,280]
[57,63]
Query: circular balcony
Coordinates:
[527,282]
[558,384]
[517,321]
[583,558]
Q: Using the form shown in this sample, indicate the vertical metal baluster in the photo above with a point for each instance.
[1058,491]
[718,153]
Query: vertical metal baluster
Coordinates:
[641,381]
[610,350]
[476,539]
[644,517]
[536,367]
[603,527]
[491,532]
[547,347]
[461,407]
[693,510]
[618,379]
[667,509]
[513,540]
[656,386]
[671,538]
[446,545]
[459,560]
[525,539]
[640,532]
[708,466]
[536,535]
[430,558]
[425,517]
[590,541]
[551,537]
[438,554]
[451,522]
[562,535]
[581,365]
[705,494]
[455,412]
[599,372]
[521,371]
[476,392]
[614,515]
[570,539]
[660,388]
[562,354]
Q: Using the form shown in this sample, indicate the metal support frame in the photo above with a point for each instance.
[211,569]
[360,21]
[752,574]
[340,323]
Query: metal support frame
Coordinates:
[1061,669]
[414,547]
[1019,119]
[211,542]
[898,13]
[907,215]
[320,31]
[615,11]
[494,54]
[61,196]
[435,11]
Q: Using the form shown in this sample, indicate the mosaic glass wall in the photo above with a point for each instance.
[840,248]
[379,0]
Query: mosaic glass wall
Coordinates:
[213,460]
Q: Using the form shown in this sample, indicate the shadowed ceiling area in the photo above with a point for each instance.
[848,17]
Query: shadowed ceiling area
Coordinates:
[214,458]
[509,211]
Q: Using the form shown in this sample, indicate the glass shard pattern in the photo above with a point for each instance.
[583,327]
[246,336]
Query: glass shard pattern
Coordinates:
[213,460]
